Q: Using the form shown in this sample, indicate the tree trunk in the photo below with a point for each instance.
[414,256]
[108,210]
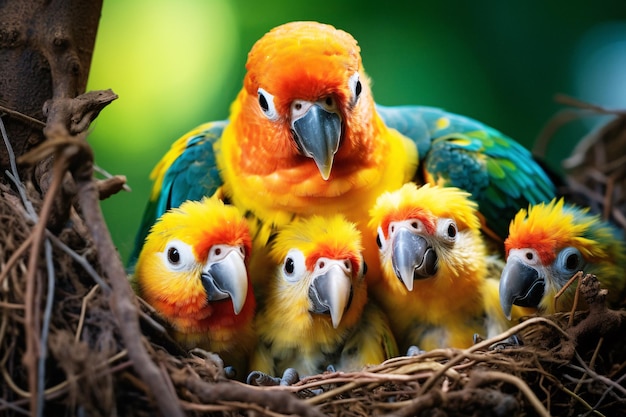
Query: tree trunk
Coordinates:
[45,52]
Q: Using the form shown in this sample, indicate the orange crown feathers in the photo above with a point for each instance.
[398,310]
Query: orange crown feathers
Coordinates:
[552,226]
[426,203]
[189,223]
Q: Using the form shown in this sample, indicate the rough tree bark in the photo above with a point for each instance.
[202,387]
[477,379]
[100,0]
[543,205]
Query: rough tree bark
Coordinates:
[45,52]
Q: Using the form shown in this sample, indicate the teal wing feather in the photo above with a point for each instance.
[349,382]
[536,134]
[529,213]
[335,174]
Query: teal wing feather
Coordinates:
[191,175]
[454,150]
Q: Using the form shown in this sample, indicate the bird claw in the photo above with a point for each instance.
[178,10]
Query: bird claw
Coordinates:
[509,342]
[261,379]
[230,372]
[414,351]
[290,377]
[512,341]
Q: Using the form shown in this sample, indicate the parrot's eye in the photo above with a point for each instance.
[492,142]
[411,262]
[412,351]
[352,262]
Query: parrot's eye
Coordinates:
[380,239]
[173,256]
[293,267]
[289,267]
[355,86]
[266,102]
[364,268]
[448,229]
[570,261]
[178,255]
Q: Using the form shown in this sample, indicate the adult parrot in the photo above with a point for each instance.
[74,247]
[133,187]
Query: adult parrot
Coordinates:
[193,271]
[305,137]
[549,243]
[315,312]
[440,284]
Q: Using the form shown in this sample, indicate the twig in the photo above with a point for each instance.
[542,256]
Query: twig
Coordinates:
[591,362]
[106,174]
[4,404]
[581,401]
[485,344]
[607,381]
[121,299]
[83,311]
[31,325]
[605,393]
[357,379]
[14,174]
[23,117]
[106,288]
[15,257]
[574,102]
[60,387]
[45,328]
[277,401]
[575,277]
[419,404]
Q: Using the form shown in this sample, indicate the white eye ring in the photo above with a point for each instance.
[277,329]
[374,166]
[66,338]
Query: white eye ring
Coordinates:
[178,256]
[266,103]
[448,230]
[293,267]
[355,86]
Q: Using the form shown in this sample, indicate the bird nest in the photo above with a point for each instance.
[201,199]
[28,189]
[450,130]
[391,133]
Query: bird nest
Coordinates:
[68,345]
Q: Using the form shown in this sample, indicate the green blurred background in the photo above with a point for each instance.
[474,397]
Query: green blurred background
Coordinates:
[176,64]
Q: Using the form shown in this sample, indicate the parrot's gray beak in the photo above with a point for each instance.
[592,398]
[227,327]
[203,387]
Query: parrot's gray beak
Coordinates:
[412,258]
[317,133]
[227,278]
[330,293]
[521,285]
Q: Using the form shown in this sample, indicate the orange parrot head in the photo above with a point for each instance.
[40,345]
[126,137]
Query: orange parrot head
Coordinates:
[305,89]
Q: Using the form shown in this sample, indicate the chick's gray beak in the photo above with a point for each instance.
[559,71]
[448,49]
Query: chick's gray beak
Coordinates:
[227,278]
[521,285]
[330,293]
[412,257]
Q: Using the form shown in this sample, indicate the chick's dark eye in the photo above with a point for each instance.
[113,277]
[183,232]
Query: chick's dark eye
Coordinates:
[451,230]
[289,266]
[572,261]
[263,103]
[173,256]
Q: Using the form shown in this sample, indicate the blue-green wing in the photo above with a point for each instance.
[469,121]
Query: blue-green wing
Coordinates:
[454,150]
[187,172]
